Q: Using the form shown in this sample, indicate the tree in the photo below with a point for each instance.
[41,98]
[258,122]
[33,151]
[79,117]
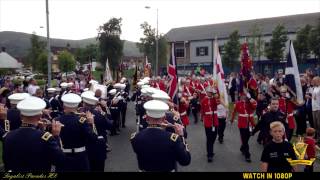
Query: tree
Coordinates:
[37,47]
[84,55]
[314,40]
[301,44]
[147,45]
[67,62]
[42,63]
[277,44]
[163,51]
[232,50]
[255,42]
[110,44]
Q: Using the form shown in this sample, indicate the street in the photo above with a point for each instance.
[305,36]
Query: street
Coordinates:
[228,157]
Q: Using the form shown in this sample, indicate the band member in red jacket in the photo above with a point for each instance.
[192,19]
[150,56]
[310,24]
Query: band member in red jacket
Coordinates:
[287,105]
[245,108]
[183,107]
[210,120]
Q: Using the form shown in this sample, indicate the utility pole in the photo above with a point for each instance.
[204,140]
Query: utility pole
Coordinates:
[48,45]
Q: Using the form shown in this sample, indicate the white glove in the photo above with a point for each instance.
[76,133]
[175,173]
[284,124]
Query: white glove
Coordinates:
[248,96]
[287,95]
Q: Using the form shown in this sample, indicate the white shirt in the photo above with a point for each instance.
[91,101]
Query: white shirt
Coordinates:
[32,89]
[222,111]
[316,99]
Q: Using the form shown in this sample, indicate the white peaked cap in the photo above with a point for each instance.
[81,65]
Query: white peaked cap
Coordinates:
[122,86]
[146,78]
[64,85]
[155,108]
[150,91]
[112,91]
[145,86]
[31,106]
[92,81]
[117,85]
[71,100]
[85,93]
[51,90]
[140,84]
[17,97]
[144,92]
[70,84]
[145,81]
[88,97]
[161,96]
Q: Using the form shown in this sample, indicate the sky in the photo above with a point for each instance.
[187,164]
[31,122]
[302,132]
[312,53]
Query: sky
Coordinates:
[80,19]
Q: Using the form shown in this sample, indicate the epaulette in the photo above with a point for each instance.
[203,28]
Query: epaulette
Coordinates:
[133,135]
[174,137]
[46,136]
[82,120]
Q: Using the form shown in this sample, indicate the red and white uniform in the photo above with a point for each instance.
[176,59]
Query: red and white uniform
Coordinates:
[183,107]
[245,110]
[202,90]
[209,112]
[187,90]
[287,107]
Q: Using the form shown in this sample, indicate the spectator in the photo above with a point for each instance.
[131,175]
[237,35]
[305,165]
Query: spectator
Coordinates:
[275,154]
[32,87]
[316,106]
[311,148]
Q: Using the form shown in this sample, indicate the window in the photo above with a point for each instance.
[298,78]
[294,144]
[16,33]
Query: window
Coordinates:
[202,51]
[179,52]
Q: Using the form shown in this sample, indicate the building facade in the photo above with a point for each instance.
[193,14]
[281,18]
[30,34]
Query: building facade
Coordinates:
[194,44]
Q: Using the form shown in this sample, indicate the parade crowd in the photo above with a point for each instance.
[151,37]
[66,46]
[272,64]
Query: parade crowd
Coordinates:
[66,128]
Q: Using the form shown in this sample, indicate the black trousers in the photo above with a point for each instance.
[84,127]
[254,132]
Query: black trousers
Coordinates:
[123,115]
[221,128]
[195,115]
[245,136]
[310,118]
[97,165]
[301,123]
[116,122]
[211,138]
[233,96]
[289,134]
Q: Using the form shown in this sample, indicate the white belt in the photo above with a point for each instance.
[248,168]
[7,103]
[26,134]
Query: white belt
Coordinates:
[100,137]
[183,113]
[246,115]
[291,114]
[138,102]
[113,107]
[75,150]
[208,113]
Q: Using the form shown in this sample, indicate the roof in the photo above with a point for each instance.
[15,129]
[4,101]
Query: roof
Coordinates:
[223,30]
[7,61]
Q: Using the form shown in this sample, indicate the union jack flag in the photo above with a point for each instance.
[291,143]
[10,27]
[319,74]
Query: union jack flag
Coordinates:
[172,73]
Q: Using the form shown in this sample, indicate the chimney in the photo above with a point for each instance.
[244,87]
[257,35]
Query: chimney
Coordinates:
[3,49]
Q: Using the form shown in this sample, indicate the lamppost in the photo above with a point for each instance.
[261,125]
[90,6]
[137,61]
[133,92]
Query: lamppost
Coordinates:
[48,45]
[157,46]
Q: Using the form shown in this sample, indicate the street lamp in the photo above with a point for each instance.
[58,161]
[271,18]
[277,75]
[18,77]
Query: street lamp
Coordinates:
[157,46]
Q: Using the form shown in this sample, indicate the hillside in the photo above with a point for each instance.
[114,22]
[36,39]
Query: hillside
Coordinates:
[18,43]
